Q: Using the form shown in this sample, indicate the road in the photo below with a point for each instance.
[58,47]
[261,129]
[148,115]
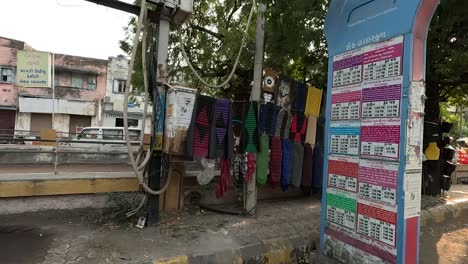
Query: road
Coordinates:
[446,243]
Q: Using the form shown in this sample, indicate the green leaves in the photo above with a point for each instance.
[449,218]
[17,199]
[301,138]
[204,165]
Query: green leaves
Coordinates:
[447,52]
[294,44]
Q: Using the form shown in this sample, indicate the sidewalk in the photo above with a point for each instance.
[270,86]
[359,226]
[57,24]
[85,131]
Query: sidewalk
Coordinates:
[281,232]
[435,210]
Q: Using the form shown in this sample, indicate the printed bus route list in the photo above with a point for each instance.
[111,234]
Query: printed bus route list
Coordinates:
[378,181]
[346,102]
[380,138]
[381,100]
[344,138]
[347,68]
[383,59]
[377,223]
[341,210]
[343,172]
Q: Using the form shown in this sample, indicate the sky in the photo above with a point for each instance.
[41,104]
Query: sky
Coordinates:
[73,27]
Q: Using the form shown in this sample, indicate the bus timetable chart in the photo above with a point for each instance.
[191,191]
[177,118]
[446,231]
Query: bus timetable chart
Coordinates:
[380,138]
[364,146]
[343,172]
[381,99]
[344,138]
[346,102]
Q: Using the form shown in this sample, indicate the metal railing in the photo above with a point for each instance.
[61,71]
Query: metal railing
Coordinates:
[64,144]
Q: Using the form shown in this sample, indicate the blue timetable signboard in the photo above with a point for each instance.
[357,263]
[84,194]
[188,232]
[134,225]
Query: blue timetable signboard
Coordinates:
[375,108]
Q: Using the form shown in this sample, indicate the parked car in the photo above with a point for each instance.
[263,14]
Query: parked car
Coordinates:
[108,134]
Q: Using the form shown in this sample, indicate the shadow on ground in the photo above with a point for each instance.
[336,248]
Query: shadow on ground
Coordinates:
[23,244]
[446,243]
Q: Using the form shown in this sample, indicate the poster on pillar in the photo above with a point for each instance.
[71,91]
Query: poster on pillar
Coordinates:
[364,149]
[374,119]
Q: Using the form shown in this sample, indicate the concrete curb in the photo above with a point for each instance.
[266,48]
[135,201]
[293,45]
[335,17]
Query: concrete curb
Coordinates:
[439,214]
[272,251]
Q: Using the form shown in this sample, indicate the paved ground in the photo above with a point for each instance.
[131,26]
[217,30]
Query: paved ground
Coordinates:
[91,237]
[458,193]
[446,243]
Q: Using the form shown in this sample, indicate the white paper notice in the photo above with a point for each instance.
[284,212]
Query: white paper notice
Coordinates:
[412,188]
[417,96]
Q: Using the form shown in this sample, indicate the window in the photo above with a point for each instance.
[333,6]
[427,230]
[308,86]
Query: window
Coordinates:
[6,74]
[77,82]
[131,122]
[92,83]
[89,134]
[134,134]
[84,82]
[114,134]
[119,86]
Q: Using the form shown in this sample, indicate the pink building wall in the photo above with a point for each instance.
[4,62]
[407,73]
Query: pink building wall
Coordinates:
[66,65]
[8,48]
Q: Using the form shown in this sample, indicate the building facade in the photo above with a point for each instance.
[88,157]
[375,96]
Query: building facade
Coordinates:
[87,91]
[8,88]
[117,72]
[79,85]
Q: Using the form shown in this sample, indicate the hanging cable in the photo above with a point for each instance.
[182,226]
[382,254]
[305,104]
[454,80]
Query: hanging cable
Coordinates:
[231,74]
[136,167]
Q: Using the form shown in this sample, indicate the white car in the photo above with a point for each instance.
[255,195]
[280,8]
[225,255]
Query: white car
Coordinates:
[108,134]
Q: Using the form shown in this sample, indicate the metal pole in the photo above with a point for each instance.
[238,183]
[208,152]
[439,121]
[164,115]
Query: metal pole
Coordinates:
[53,90]
[251,188]
[461,122]
[258,63]
[154,179]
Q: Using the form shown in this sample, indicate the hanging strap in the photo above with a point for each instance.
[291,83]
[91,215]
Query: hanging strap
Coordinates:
[263,157]
[250,125]
[311,130]
[275,161]
[222,111]
[265,117]
[283,124]
[238,168]
[274,120]
[297,162]
[307,168]
[286,166]
[203,119]
[251,167]
[298,127]
[225,178]
[301,96]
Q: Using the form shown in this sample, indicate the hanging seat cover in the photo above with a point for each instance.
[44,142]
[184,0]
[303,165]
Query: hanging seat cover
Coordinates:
[263,157]
[251,132]
[275,161]
[286,166]
[298,127]
[283,123]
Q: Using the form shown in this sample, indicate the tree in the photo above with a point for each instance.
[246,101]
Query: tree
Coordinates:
[447,57]
[294,44]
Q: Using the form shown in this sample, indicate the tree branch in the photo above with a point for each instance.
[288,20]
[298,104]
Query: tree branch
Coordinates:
[234,9]
[212,33]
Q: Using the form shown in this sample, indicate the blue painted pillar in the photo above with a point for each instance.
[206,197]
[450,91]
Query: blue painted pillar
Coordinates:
[374,127]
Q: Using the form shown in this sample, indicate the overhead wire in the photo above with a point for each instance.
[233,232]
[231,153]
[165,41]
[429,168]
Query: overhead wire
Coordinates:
[236,63]
[137,168]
